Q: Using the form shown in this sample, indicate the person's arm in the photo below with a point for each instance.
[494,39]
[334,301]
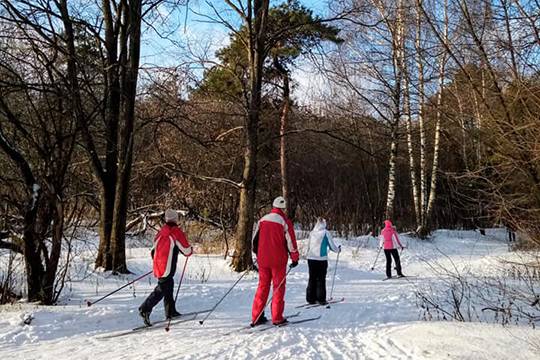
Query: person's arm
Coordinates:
[331,243]
[395,234]
[181,242]
[154,244]
[255,239]
[291,241]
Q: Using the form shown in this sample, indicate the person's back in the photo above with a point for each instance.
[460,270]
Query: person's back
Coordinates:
[319,242]
[275,239]
[388,235]
[168,242]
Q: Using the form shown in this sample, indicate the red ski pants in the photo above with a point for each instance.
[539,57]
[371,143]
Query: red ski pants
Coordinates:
[275,275]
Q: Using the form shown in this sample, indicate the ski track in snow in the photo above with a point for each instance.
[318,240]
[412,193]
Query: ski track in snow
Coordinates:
[377,320]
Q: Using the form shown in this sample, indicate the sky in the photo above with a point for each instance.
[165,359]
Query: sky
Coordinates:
[190,24]
[190,36]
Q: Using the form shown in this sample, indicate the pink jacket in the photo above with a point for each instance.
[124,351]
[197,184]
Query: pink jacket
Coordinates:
[388,234]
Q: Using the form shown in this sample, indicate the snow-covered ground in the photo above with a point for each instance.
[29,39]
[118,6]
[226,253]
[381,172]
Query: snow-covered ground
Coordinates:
[377,320]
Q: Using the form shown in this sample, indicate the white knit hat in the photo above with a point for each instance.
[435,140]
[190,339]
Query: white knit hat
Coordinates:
[171,216]
[279,203]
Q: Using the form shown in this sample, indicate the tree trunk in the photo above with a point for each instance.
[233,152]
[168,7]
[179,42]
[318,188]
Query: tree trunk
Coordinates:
[397,57]
[125,162]
[242,253]
[104,256]
[256,54]
[122,73]
[35,271]
[436,146]
[421,100]
[426,224]
[282,132]
[389,212]
[412,164]
[56,248]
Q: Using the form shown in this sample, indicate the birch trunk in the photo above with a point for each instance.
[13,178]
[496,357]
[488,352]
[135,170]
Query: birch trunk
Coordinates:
[412,163]
[421,101]
[397,57]
[436,145]
[426,225]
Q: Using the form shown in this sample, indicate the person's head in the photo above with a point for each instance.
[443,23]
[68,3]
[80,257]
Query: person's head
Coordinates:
[320,224]
[171,217]
[387,224]
[279,203]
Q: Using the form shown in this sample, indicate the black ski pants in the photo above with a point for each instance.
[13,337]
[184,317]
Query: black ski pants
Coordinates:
[389,254]
[163,290]
[316,289]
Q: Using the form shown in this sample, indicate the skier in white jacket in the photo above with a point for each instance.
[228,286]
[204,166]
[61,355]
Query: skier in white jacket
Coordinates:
[319,242]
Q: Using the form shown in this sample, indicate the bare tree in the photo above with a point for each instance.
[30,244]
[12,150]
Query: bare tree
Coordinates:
[38,135]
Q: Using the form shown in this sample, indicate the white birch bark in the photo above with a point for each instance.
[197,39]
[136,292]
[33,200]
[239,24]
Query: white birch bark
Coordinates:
[421,101]
[436,141]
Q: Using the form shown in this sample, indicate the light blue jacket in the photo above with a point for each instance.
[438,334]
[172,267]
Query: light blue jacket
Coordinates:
[319,242]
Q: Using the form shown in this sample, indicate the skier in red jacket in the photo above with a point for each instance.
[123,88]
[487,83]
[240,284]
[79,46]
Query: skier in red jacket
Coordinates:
[169,241]
[273,242]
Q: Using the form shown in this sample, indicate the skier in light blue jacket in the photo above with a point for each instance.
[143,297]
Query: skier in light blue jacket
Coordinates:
[318,244]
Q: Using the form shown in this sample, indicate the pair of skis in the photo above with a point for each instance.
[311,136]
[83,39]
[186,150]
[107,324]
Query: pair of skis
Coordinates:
[405,277]
[159,324]
[265,327]
[268,326]
[193,315]
[328,303]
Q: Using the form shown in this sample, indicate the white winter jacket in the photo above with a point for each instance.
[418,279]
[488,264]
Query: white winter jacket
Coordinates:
[319,242]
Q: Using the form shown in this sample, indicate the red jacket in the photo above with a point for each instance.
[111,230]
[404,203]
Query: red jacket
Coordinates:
[274,239]
[169,240]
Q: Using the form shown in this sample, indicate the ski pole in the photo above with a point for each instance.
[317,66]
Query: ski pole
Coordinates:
[90,303]
[333,277]
[271,297]
[177,291]
[223,297]
[378,252]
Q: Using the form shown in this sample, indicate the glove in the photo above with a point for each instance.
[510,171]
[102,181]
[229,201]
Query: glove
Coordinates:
[339,248]
[401,248]
[294,264]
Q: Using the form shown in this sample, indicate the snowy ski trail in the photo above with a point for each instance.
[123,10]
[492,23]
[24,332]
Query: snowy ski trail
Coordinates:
[377,320]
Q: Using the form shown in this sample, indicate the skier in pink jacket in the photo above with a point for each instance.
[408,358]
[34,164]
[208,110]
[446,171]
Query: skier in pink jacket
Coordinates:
[389,240]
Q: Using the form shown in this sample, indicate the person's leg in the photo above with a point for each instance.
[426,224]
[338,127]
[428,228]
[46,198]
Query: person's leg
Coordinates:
[388,262]
[265,276]
[278,295]
[395,255]
[167,286]
[152,299]
[322,268]
[311,290]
